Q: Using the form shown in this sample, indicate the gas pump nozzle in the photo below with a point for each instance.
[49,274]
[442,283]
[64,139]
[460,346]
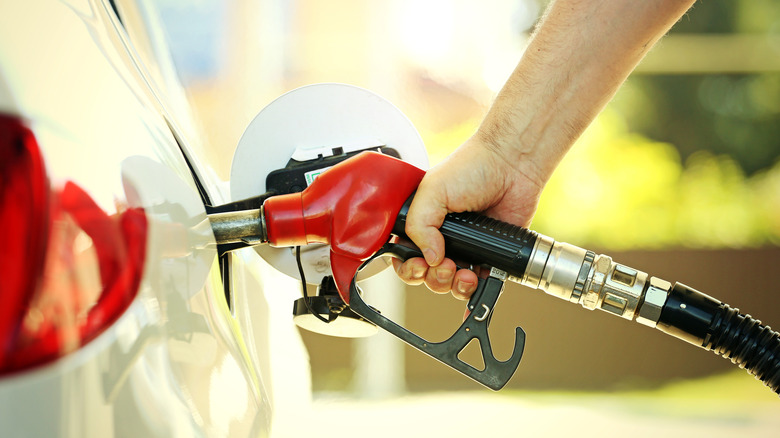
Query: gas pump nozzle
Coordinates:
[359,207]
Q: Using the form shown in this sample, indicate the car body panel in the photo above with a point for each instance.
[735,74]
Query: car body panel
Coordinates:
[175,363]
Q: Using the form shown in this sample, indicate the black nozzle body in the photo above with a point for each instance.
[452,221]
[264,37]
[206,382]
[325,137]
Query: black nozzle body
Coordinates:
[480,240]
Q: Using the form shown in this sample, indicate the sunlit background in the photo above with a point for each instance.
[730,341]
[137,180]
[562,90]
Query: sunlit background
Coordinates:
[691,138]
[679,174]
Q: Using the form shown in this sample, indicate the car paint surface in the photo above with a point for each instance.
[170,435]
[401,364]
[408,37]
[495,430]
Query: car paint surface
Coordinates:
[179,361]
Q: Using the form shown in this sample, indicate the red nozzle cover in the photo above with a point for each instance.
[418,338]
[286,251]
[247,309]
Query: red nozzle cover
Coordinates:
[352,206]
[284,220]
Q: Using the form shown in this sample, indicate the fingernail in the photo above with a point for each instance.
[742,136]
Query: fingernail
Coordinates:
[464,286]
[418,272]
[443,275]
[430,256]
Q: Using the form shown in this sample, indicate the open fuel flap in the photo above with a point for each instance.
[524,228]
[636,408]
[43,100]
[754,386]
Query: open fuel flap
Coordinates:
[286,146]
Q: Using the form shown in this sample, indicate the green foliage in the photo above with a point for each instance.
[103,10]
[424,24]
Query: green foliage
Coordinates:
[676,160]
[619,189]
[736,115]
[733,114]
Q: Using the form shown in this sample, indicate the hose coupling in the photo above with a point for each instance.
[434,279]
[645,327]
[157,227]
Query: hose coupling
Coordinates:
[594,281]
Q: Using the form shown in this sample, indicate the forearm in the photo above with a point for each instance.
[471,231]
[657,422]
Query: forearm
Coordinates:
[581,54]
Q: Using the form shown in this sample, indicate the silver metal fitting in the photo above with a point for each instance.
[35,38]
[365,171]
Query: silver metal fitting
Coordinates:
[533,272]
[554,267]
[614,288]
[655,298]
[596,282]
[246,226]
[498,273]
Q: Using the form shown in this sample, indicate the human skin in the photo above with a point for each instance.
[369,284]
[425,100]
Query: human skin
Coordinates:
[580,55]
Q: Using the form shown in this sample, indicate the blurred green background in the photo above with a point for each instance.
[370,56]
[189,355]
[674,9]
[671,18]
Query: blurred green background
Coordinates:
[686,155]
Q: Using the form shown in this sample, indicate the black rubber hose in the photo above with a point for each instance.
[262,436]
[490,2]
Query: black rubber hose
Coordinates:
[701,320]
[749,344]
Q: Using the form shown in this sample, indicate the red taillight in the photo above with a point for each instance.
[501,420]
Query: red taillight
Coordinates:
[24,227]
[67,268]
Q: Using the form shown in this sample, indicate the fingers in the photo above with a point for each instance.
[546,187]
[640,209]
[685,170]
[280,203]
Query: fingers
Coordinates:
[473,178]
[439,278]
[464,284]
[442,278]
[412,271]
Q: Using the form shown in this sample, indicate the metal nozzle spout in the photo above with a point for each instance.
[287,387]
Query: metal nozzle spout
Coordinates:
[245,226]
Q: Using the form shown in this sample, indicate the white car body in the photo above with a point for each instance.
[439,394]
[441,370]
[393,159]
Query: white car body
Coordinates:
[100,97]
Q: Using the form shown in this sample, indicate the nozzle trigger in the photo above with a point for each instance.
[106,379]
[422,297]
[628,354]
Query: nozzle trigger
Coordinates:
[496,373]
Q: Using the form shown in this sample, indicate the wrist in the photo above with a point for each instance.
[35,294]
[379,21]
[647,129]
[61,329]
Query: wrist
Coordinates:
[516,149]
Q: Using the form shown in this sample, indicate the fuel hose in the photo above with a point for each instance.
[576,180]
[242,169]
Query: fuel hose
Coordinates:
[596,282]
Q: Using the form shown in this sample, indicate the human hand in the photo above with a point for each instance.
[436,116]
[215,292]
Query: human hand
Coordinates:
[570,70]
[479,176]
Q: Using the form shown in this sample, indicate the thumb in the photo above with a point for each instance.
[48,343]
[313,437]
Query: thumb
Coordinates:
[422,226]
